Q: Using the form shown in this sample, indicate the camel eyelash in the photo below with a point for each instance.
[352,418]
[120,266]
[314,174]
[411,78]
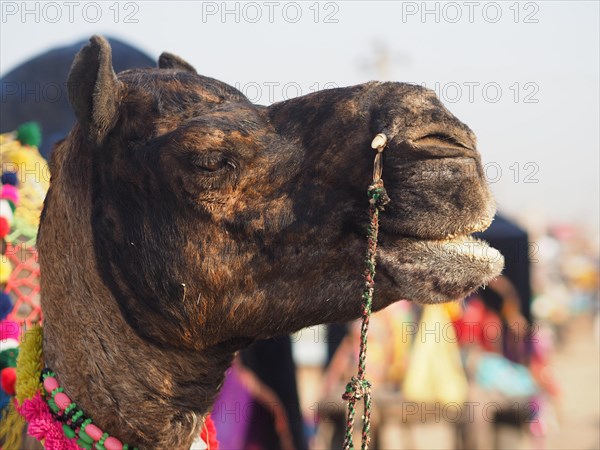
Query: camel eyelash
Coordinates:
[212,162]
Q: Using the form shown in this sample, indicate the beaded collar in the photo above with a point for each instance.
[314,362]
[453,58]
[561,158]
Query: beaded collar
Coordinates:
[74,421]
[52,417]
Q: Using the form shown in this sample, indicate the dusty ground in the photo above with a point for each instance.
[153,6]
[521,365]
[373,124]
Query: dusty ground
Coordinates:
[577,367]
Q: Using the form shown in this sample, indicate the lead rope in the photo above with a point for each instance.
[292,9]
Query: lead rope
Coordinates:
[359,387]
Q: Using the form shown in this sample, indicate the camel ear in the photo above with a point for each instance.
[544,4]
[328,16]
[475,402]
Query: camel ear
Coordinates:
[170,61]
[94,88]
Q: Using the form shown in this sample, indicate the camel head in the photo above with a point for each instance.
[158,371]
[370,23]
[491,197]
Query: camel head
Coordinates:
[183,222]
[215,219]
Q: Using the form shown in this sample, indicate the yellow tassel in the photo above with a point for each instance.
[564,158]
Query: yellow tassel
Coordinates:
[11,428]
[29,364]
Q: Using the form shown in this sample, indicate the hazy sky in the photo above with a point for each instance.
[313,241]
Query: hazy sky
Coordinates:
[524,76]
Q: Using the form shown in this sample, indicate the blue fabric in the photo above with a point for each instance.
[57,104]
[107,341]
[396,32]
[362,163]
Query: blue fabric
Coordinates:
[495,372]
[5,305]
[4,399]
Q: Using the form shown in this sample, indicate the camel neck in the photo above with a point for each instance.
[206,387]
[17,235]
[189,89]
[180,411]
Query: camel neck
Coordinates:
[146,396]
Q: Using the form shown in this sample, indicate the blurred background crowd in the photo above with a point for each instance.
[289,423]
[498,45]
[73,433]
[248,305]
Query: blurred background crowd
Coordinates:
[515,365]
[498,370]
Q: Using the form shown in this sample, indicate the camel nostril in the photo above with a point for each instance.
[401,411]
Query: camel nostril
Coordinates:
[445,139]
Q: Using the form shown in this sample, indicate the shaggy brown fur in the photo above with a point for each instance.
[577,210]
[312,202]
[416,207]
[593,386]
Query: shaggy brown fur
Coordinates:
[183,222]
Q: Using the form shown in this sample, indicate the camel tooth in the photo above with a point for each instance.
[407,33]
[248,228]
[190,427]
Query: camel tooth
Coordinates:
[379,141]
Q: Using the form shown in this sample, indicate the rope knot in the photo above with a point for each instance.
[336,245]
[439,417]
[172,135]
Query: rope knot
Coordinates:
[378,196]
[356,389]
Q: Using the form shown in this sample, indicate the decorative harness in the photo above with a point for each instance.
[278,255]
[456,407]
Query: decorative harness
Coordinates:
[53,418]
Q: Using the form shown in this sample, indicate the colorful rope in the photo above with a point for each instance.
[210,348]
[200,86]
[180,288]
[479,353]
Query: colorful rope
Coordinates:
[359,387]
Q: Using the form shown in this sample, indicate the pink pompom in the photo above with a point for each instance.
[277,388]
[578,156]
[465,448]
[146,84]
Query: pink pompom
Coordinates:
[43,426]
[9,330]
[10,193]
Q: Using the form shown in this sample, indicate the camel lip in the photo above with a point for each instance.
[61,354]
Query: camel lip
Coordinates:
[461,246]
[467,246]
[440,270]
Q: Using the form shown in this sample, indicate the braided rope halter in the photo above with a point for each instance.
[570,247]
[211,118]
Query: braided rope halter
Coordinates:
[359,387]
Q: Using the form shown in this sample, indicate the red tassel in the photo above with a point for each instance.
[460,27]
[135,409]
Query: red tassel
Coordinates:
[209,434]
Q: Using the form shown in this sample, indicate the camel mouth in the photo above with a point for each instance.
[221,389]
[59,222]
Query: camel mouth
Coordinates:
[454,231]
[439,270]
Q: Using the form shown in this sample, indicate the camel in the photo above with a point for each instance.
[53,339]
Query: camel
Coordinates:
[183,222]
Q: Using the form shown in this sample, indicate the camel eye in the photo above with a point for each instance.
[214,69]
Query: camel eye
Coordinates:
[211,162]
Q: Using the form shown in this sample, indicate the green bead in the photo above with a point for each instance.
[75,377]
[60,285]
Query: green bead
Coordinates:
[84,444]
[71,406]
[48,374]
[53,406]
[85,423]
[100,443]
[69,432]
[56,391]
[85,437]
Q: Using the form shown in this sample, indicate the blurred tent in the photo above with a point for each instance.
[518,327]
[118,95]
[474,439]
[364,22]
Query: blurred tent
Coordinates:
[513,242]
[37,91]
